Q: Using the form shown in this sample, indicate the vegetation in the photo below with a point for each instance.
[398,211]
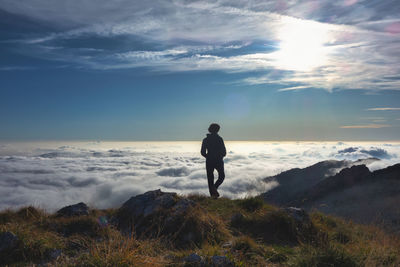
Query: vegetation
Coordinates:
[248,232]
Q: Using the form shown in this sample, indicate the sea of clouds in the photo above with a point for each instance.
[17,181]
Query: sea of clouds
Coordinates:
[51,175]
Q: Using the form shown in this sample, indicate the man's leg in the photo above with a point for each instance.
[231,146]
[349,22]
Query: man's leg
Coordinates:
[210,177]
[221,173]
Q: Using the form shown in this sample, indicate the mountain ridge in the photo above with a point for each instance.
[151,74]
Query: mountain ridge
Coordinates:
[353,193]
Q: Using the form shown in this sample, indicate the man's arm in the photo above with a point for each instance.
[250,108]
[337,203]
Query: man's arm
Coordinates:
[204,149]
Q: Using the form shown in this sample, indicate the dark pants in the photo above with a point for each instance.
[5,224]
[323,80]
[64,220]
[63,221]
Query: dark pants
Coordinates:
[219,166]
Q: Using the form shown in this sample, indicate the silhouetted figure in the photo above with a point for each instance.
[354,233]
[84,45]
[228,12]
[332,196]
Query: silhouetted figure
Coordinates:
[213,149]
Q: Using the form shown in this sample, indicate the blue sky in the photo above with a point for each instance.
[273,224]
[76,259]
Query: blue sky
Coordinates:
[164,70]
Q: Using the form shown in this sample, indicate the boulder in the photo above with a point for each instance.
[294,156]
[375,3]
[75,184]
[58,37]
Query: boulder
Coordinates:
[299,215]
[74,210]
[8,241]
[153,209]
[303,226]
[194,260]
[149,203]
[157,214]
[221,261]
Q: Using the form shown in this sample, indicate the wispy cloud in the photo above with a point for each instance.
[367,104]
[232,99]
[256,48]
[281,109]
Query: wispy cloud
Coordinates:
[366,126]
[293,88]
[309,44]
[13,68]
[383,109]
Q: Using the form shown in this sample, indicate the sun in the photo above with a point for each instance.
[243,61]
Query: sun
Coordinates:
[302,45]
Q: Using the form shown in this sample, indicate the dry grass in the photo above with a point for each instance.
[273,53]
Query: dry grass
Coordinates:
[263,236]
[119,250]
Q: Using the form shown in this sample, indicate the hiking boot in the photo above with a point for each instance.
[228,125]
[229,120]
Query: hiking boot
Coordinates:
[214,192]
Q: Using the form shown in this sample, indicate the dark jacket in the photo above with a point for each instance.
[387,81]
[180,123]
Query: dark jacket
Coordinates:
[213,147]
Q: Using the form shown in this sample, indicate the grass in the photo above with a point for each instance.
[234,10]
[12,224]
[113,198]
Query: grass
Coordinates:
[248,231]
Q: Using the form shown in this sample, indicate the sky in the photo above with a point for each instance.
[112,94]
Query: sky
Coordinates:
[164,70]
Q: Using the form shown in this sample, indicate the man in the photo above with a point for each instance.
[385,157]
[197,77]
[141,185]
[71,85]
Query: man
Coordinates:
[213,149]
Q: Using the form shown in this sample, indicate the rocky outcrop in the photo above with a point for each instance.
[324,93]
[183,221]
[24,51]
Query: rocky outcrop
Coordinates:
[346,178]
[163,214]
[295,182]
[391,172]
[299,215]
[74,210]
[353,193]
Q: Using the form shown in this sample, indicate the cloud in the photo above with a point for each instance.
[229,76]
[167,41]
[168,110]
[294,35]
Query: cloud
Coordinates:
[293,88]
[360,152]
[383,109]
[294,44]
[366,126]
[348,150]
[105,174]
[14,68]
[174,172]
[376,152]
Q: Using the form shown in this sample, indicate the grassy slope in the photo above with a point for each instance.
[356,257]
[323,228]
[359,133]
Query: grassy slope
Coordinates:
[264,235]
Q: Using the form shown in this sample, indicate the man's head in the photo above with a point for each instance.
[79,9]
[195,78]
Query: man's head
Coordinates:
[214,128]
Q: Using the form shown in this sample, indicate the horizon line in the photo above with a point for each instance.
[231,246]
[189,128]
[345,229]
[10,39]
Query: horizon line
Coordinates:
[194,140]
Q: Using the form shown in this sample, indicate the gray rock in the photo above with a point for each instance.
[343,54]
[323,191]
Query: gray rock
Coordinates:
[299,215]
[148,203]
[8,241]
[221,261]
[182,206]
[194,259]
[158,214]
[74,210]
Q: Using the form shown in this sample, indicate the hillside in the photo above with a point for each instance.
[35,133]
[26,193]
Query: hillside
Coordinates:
[165,229]
[354,193]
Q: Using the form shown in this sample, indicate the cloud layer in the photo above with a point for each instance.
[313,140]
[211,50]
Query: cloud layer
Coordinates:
[293,44]
[52,175]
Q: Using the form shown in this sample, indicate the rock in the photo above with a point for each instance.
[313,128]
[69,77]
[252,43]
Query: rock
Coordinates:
[221,261]
[74,210]
[8,241]
[194,260]
[143,210]
[299,215]
[182,206]
[157,214]
[303,227]
[149,203]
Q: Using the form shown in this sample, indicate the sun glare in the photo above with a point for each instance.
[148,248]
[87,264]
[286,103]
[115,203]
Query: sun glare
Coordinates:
[301,46]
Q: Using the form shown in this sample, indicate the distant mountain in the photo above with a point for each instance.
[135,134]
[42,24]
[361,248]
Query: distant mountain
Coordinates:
[294,182]
[353,193]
